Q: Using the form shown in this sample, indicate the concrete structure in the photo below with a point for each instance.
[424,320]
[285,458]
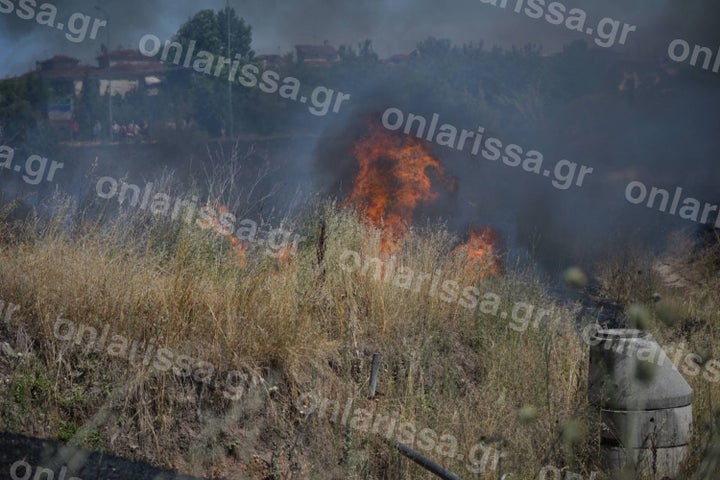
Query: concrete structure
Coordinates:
[645,403]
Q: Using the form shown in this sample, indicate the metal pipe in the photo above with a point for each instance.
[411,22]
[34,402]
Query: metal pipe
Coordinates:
[232,120]
[374,374]
[413,455]
[424,462]
[109,85]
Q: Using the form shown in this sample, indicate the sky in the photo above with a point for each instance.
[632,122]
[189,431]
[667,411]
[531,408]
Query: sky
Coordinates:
[394,26]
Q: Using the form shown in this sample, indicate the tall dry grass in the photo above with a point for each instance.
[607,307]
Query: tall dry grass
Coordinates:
[300,326]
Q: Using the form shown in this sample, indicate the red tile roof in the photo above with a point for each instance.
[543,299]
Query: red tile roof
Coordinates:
[124,54]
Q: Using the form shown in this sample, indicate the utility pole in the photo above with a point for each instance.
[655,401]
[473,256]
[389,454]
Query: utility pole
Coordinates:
[109,87]
[229,56]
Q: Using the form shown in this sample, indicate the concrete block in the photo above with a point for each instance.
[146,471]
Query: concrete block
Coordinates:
[653,464]
[670,427]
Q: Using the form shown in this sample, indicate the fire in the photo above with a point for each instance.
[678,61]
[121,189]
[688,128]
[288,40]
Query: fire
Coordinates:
[392,181]
[483,251]
[238,251]
[238,247]
[283,258]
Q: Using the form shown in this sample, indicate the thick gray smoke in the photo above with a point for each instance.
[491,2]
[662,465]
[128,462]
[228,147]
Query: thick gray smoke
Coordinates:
[647,138]
[23,42]
[395,26]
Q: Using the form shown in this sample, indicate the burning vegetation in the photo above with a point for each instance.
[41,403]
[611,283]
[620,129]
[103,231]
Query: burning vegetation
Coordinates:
[483,249]
[392,181]
[238,247]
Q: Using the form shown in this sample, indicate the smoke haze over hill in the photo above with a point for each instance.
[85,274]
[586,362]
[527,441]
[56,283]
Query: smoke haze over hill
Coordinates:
[394,26]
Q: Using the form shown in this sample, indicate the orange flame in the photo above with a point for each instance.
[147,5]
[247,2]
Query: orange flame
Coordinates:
[392,181]
[239,248]
[483,251]
[283,258]
[239,251]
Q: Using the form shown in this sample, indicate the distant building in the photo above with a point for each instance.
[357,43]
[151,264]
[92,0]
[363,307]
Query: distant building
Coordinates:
[316,54]
[58,62]
[121,70]
[123,57]
[271,62]
[63,67]
[126,70]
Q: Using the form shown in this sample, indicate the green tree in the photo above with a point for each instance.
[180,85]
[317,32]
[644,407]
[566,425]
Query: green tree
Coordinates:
[208,97]
[23,106]
[434,48]
[90,107]
[209,30]
[365,53]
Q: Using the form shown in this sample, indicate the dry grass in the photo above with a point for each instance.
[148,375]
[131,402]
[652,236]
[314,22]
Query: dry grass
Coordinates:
[680,290]
[301,326]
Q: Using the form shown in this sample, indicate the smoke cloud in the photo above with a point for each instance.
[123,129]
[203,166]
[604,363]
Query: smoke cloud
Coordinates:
[395,26]
[644,137]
